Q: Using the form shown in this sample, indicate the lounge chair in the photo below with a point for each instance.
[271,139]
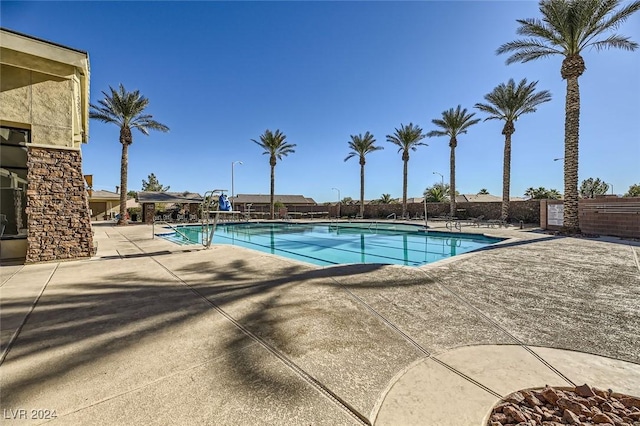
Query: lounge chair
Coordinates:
[476,221]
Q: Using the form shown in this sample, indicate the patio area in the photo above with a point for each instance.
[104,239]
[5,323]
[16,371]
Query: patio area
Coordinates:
[148,332]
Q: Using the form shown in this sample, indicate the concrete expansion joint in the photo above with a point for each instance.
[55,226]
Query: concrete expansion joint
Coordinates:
[319,386]
[495,324]
[12,275]
[635,258]
[18,330]
[149,383]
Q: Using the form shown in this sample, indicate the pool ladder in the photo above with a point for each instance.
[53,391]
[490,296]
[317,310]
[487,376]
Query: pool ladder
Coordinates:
[208,226]
[163,222]
[454,224]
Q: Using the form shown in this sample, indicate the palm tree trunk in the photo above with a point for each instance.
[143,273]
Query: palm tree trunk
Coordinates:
[452,183]
[506,176]
[571,130]
[273,189]
[124,168]
[362,191]
[404,187]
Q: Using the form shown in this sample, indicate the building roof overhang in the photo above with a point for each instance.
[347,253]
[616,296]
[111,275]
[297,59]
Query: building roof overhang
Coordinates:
[31,53]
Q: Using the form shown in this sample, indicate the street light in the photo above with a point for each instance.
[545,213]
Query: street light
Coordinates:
[441,179]
[232,164]
[556,159]
[611,187]
[336,189]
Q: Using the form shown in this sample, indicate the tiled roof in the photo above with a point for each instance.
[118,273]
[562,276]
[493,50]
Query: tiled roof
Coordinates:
[104,195]
[480,198]
[168,197]
[266,199]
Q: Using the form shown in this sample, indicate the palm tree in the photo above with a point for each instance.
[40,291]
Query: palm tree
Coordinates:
[483,191]
[508,102]
[125,110]
[361,146]
[438,193]
[406,138]
[385,199]
[453,124]
[568,28]
[542,193]
[276,147]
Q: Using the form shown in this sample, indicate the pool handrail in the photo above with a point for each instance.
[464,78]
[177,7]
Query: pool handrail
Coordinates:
[176,230]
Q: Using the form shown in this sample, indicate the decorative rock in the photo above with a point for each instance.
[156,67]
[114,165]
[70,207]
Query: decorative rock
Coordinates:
[531,399]
[584,391]
[630,402]
[514,414]
[569,417]
[534,408]
[515,398]
[573,406]
[550,395]
[601,418]
[499,417]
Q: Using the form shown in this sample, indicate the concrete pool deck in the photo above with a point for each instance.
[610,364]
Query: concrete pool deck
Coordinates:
[148,332]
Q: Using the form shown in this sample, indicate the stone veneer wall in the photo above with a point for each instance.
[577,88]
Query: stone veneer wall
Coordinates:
[59,225]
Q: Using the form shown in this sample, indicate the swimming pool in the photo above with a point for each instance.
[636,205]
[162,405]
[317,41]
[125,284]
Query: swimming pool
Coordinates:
[343,243]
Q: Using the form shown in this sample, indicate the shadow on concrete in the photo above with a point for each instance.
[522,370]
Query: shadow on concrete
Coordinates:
[93,320]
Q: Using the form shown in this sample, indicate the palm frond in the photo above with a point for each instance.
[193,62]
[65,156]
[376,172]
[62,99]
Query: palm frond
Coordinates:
[274,144]
[509,101]
[538,29]
[126,110]
[407,137]
[453,123]
[615,41]
[526,50]
[568,27]
[351,155]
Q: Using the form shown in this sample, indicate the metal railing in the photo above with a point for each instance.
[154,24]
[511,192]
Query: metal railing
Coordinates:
[392,215]
[175,229]
[454,224]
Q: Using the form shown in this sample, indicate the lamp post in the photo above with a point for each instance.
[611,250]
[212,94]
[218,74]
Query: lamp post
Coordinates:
[441,179]
[336,189]
[611,187]
[232,193]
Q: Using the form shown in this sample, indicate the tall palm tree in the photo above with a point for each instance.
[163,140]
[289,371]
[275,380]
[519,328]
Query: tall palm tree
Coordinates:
[453,124]
[508,102]
[360,147]
[125,110]
[568,28]
[275,146]
[407,138]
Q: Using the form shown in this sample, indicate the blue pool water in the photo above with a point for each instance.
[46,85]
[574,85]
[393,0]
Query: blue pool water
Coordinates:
[332,244]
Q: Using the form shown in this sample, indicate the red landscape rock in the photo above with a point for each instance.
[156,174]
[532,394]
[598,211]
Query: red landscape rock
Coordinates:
[584,391]
[580,406]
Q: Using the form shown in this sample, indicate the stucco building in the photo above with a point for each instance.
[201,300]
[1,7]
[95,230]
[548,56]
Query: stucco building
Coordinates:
[44,115]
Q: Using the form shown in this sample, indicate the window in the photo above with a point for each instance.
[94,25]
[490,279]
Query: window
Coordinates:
[13,181]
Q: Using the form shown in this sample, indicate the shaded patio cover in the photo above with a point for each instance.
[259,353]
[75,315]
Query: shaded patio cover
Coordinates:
[169,197]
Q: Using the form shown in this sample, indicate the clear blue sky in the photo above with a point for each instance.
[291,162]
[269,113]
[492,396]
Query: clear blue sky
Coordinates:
[220,73]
